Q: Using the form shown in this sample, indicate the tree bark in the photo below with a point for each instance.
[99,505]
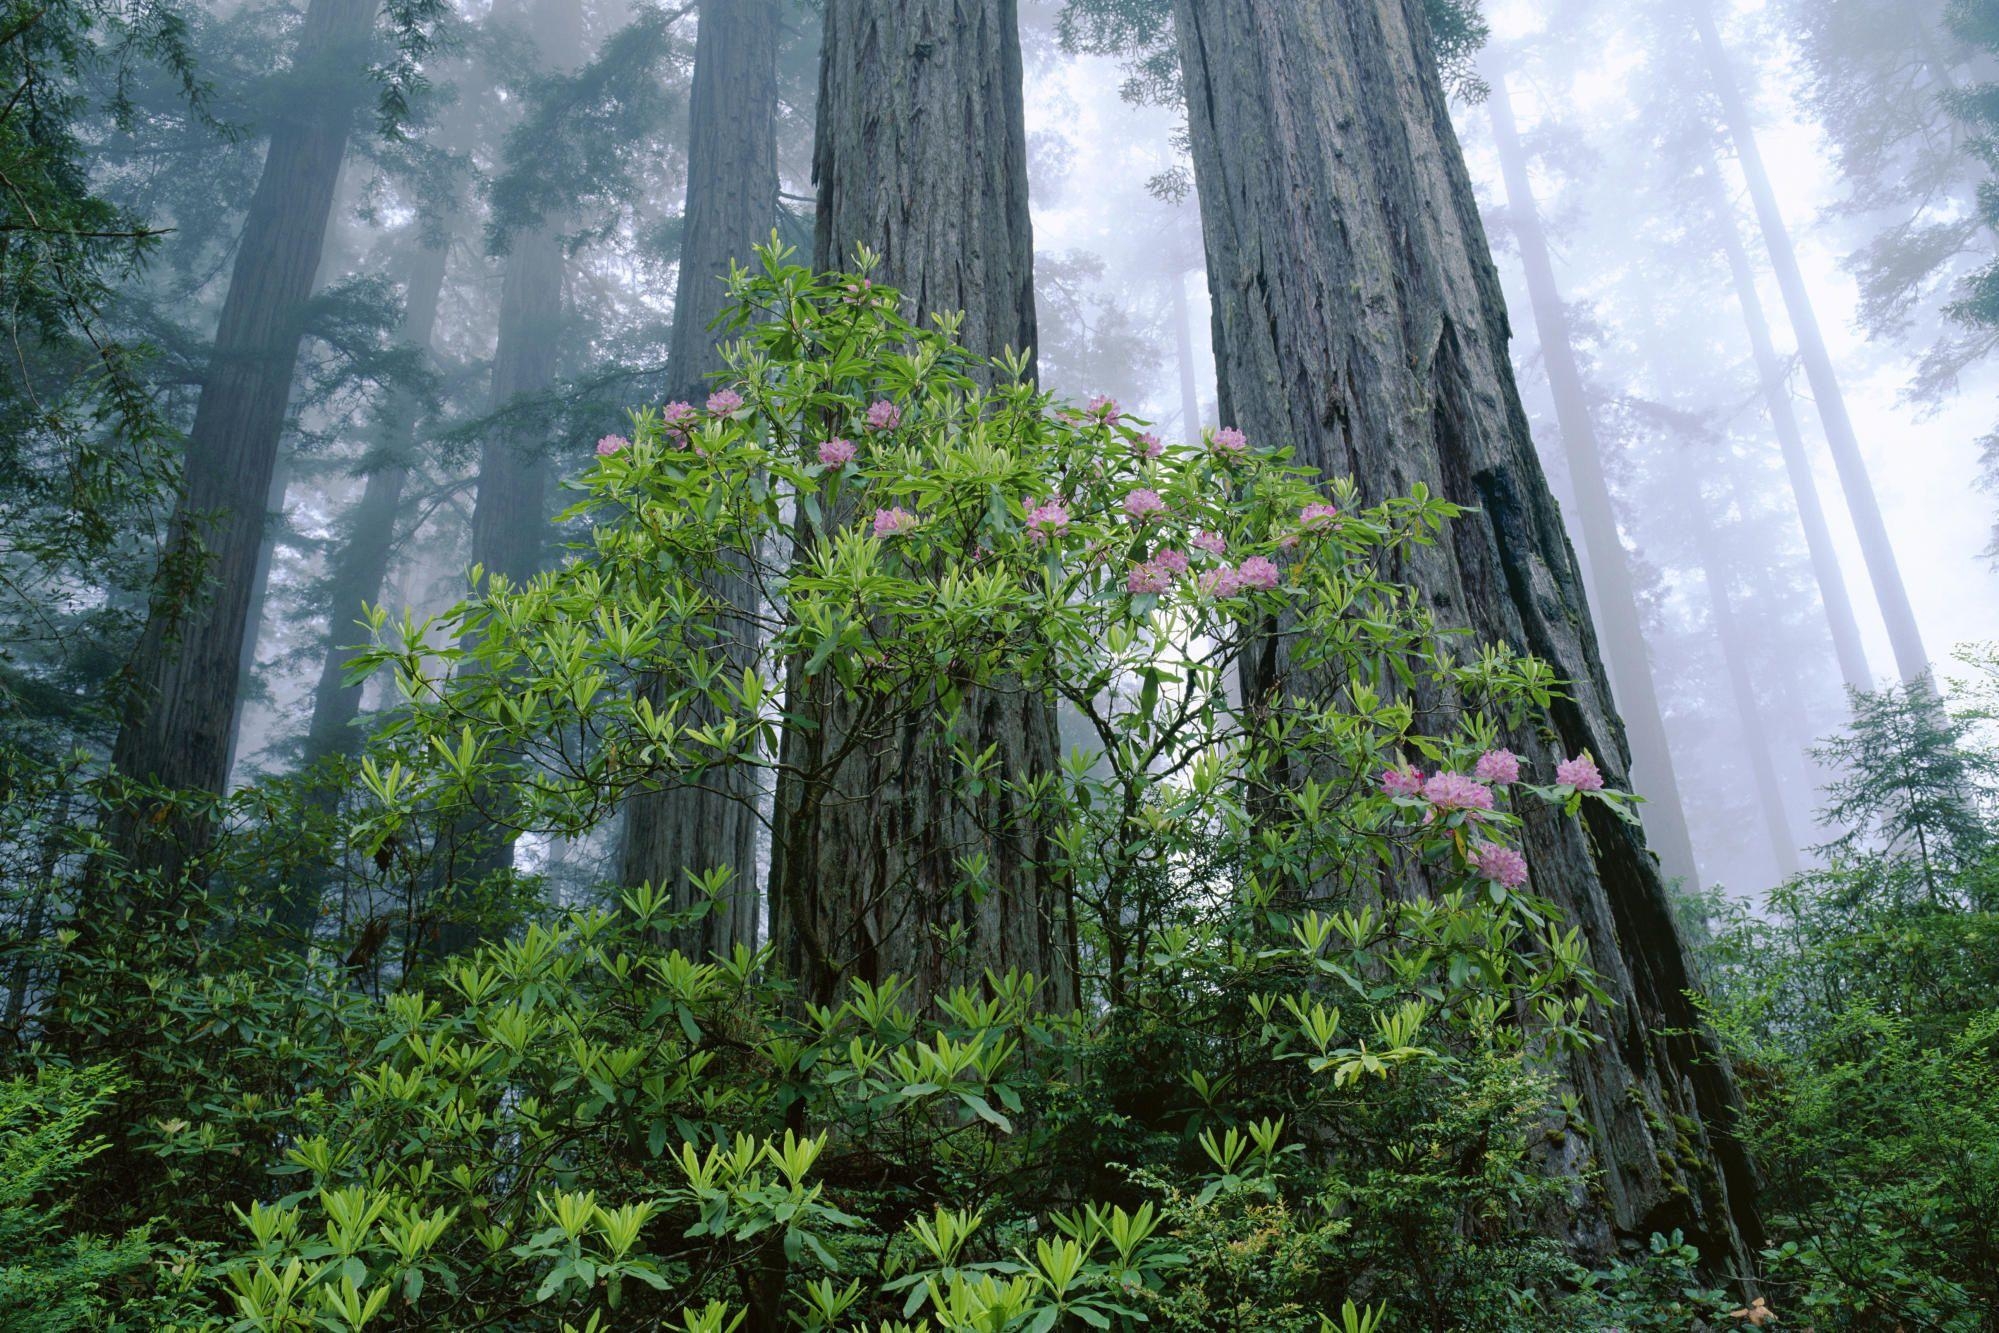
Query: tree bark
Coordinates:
[1616,602]
[921,153]
[180,713]
[1359,319]
[731,208]
[361,567]
[1903,635]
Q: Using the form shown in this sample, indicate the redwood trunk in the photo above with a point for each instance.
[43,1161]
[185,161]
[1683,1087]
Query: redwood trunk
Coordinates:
[1907,640]
[1616,601]
[921,153]
[1358,318]
[709,820]
[181,712]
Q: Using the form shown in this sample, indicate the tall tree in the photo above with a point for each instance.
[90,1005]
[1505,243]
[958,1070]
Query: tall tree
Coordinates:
[921,154]
[181,710]
[361,565]
[1358,319]
[1875,547]
[1776,388]
[732,187]
[1616,601]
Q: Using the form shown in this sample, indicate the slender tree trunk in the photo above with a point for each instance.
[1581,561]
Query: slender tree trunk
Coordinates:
[260,591]
[921,153]
[1797,465]
[181,710]
[1619,622]
[361,566]
[1907,640]
[709,820]
[1717,573]
[1183,352]
[1359,319]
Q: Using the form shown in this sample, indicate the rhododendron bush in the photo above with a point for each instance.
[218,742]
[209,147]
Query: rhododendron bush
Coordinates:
[1317,1017]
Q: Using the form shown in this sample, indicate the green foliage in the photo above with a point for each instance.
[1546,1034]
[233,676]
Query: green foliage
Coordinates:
[1292,1099]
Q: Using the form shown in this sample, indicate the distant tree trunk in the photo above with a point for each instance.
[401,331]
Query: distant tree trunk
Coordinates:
[1903,634]
[186,676]
[1359,320]
[731,208]
[253,619]
[921,152]
[1718,574]
[1183,352]
[360,568]
[1616,602]
[1831,579]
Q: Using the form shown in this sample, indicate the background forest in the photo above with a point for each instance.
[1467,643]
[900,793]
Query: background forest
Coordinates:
[972,665]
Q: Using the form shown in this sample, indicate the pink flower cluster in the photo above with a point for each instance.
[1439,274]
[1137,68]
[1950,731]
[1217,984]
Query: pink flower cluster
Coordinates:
[1105,408]
[1402,780]
[723,402]
[1499,767]
[1148,445]
[1580,773]
[1141,504]
[1502,865]
[1455,791]
[1172,561]
[1047,519]
[1211,542]
[836,452]
[884,415]
[1257,572]
[1148,577]
[1229,440]
[1315,516]
[611,444]
[891,522]
[677,417]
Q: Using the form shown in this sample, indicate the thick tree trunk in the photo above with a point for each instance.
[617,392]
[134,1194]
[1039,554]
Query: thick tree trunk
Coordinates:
[731,208]
[1616,603]
[361,566]
[181,712]
[1358,318]
[1797,464]
[921,153]
[1907,640]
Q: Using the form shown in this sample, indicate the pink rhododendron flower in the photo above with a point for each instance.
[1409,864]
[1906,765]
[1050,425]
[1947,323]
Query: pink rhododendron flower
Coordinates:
[1223,582]
[1501,865]
[1147,578]
[1046,519]
[889,522]
[1104,407]
[724,401]
[1148,445]
[1229,440]
[1211,542]
[884,415]
[836,452]
[1500,767]
[1401,781]
[1580,773]
[1257,572]
[1143,503]
[1317,515]
[677,417]
[1172,561]
[1455,791]
[611,444]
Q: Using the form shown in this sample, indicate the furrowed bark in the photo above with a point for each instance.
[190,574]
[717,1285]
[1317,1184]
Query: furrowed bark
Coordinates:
[732,185]
[1359,319]
[921,153]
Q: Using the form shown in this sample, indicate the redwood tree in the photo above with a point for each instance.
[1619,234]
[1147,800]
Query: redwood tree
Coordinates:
[708,820]
[180,709]
[921,154]
[1358,319]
